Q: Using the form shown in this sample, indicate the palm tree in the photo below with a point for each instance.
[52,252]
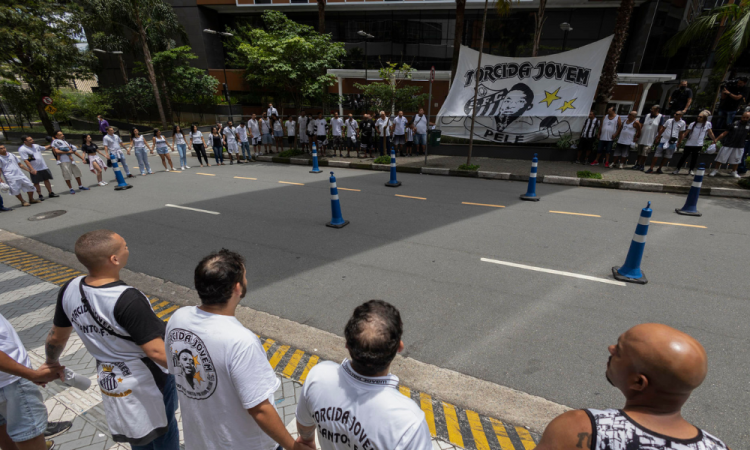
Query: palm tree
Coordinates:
[730,22]
[608,80]
[144,19]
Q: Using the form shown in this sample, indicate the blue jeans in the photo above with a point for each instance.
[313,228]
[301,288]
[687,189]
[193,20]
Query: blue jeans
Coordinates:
[219,154]
[22,410]
[245,149]
[120,157]
[141,154]
[182,150]
[171,439]
[742,167]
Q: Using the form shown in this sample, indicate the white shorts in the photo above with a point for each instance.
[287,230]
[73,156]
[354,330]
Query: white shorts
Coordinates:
[303,139]
[729,155]
[70,170]
[255,140]
[18,185]
[232,147]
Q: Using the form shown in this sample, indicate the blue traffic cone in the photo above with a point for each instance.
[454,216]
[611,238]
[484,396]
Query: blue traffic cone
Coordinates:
[530,194]
[631,270]
[690,208]
[394,182]
[336,220]
[315,169]
[121,184]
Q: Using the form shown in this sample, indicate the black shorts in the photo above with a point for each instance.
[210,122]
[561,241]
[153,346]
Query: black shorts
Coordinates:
[366,140]
[322,138]
[290,139]
[41,176]
[586,144]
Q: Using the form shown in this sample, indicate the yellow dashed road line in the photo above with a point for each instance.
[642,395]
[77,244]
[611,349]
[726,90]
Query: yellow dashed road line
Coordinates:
[482,204]
[678,224]
[574,214]
[408,196]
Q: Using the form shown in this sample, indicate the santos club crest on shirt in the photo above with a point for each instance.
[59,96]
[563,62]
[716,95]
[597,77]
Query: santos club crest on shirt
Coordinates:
[114,378]
[193,369]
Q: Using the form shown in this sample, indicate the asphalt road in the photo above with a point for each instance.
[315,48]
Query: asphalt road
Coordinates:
[545,334]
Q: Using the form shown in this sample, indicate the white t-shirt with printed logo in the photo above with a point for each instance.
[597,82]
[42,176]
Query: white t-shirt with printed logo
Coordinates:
[11,345]
[35,150]
[221,371]
[320,127]
[354,411]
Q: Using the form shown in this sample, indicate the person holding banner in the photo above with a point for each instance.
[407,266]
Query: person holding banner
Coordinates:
[671,135]
[610,125]
[588,135]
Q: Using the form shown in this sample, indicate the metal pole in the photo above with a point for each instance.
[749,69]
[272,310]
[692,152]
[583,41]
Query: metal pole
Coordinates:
[365,59]
[476,85]
[565,39]
[429,111]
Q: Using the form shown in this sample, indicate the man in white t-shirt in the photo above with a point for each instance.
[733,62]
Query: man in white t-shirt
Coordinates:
[357,404]
[670,134]
[31,155]
[321,131]
[271,111]
[352,132]
[399,132]
[255,136]
[419,125]
[65,152]
[244,142]
[224,380]
[337,125]
[230,137]
[23,416]
[14,178]
[302,138]
[291,130]
[113,145]
[265,132]
[383,124]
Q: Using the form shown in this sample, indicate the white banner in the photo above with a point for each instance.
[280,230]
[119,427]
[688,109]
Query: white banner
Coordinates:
[524,100]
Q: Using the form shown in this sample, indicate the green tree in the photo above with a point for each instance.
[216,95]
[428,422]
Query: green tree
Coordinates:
[286,57]
[20,102]
[149,23]
[200,91]
[79,104]
[730,24]
[392,94]
[38,47]
[137,96]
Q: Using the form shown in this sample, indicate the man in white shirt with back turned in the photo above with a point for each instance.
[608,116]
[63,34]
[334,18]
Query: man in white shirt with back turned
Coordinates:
[357,404]
[337,125]
[224,380]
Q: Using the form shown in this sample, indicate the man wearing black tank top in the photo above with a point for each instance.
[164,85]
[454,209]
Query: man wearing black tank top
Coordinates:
[656,368]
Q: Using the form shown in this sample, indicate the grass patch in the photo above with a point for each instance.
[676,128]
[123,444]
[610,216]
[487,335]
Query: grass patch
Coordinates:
[469,167]
[291,153]
[382,160]
[745,183]
[589,174]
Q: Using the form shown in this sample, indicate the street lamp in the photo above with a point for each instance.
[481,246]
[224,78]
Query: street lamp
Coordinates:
[366,36]
[565,26]
[224,58]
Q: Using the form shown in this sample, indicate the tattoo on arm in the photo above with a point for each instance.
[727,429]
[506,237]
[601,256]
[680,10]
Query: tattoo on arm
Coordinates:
[52,351]
[584,437]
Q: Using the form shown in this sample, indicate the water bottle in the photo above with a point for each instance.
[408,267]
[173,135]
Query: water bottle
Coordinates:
[76,380]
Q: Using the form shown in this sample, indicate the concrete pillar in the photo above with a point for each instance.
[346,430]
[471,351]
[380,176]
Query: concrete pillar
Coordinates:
[643,98]
[341,94]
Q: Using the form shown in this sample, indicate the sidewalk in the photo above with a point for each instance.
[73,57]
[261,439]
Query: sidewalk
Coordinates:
[28,302]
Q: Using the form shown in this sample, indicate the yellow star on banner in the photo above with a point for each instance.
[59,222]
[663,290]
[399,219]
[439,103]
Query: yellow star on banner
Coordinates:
[195,360]
[550,97]
[119,380]
[568,105]
[197,377]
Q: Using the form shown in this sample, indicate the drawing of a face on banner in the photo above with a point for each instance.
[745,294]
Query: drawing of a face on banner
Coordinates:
[523,100]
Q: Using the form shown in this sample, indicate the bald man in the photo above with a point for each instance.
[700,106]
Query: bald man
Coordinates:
[656,368]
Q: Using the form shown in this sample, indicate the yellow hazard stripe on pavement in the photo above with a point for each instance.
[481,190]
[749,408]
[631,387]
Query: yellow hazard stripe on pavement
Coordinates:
[451,423]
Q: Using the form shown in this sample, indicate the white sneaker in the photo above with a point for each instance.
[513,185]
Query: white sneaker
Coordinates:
[735,174]
[621,165]
[692,172]
[150,173]
[101,183]
[105,182]
[182,168]
[713,173]
[676,172]
[187,167]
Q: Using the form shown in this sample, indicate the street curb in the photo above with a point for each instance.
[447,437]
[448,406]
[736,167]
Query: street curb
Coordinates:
[548,179]
[305,346]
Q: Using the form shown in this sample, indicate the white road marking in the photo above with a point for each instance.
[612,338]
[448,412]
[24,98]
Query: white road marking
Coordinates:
[555,272]
[192,209]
